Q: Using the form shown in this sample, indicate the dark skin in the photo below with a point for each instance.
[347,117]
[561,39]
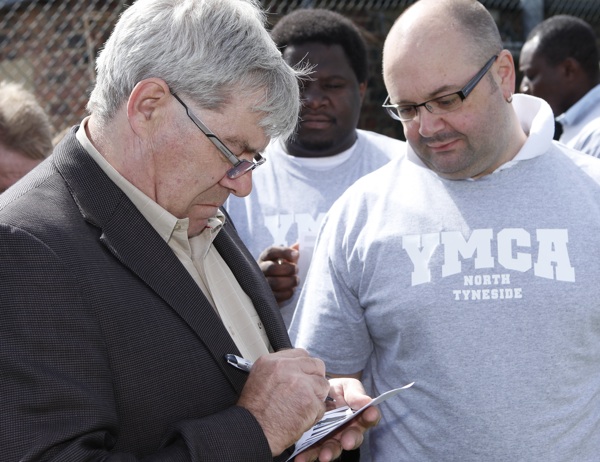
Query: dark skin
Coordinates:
[331,107]
[279,265]
[331,101]
[561,85]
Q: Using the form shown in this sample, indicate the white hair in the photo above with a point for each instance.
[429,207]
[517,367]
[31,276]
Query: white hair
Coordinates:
[211,51]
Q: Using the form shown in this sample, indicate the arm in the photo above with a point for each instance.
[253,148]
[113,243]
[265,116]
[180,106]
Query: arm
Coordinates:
[328,322]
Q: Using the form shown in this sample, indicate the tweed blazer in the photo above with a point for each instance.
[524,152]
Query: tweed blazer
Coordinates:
[108,349]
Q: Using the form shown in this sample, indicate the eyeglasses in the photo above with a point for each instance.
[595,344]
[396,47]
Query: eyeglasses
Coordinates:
[240,166]
[439,105]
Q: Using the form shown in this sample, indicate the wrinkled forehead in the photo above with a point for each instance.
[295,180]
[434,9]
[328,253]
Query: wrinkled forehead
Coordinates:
[246,131]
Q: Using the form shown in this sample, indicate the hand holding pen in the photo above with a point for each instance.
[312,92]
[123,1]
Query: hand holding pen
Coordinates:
[285,393]
[245,365]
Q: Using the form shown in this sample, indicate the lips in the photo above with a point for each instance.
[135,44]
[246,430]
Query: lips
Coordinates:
[316,121]
[443,146]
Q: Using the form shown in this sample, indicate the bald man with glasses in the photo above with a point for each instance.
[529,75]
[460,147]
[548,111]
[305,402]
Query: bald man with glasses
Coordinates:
[469,265]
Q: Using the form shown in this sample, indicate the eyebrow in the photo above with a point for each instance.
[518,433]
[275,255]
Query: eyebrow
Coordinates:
[333,75]
[242,144]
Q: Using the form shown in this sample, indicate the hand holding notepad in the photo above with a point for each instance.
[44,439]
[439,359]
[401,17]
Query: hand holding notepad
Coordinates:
[336,418]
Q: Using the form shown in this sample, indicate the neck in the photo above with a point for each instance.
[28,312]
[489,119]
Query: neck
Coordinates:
[297,148]
[124,152]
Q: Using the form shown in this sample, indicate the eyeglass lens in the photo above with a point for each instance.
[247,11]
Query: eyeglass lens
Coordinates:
[440,105]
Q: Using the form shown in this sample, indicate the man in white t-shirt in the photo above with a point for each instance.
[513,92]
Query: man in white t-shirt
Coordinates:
[292,192]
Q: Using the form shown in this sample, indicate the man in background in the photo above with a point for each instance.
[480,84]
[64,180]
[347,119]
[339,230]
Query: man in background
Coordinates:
[25,133]
[469,266]
[305,174]
[559,62]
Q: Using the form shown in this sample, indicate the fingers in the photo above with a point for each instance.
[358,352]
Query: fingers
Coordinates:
[282,282]
[301,360]
[278,267]
[371,416]
[351,438]
[278,264]
[275,253]
[331,448]
[285,392]
[349,391]
[279,261]
[351,435]
[283,287]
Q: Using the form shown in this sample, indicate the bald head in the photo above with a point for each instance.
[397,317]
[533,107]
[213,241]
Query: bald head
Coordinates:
[462,28]
[438,35]
[446,71]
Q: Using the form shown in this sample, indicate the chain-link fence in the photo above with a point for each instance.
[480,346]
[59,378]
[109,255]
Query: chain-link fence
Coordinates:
[50,45]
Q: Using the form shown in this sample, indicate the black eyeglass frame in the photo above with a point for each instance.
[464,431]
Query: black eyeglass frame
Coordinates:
[392,109]
[240,166]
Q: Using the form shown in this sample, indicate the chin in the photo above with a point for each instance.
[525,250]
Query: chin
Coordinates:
[316,144]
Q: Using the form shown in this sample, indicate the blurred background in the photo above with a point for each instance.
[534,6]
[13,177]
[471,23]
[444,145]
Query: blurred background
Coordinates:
[50,45]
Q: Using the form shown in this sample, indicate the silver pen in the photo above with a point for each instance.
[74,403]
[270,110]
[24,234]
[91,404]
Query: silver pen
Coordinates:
[245,365]
[239,362]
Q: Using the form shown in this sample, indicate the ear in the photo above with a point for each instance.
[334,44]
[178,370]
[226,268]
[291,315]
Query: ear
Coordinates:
[570,69]
[146,104]
[505,73]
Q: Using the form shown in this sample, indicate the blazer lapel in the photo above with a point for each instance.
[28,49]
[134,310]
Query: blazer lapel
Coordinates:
[144,252]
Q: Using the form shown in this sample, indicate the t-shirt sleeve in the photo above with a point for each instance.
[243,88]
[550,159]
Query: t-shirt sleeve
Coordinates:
[329,321]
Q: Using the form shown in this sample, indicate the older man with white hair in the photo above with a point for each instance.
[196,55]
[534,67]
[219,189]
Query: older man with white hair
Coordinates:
[123,289]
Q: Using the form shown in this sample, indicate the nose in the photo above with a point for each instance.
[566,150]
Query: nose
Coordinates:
[312,95]
[429,124]
[240,186]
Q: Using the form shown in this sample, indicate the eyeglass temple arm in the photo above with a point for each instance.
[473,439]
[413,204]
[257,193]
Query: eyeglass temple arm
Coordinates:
[468,88]
[209,134]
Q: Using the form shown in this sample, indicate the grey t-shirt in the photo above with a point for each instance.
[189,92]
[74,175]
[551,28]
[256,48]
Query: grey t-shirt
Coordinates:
[484,293]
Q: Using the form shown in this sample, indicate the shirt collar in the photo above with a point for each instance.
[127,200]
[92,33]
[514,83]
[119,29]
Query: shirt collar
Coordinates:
[320,163]
[581,108]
